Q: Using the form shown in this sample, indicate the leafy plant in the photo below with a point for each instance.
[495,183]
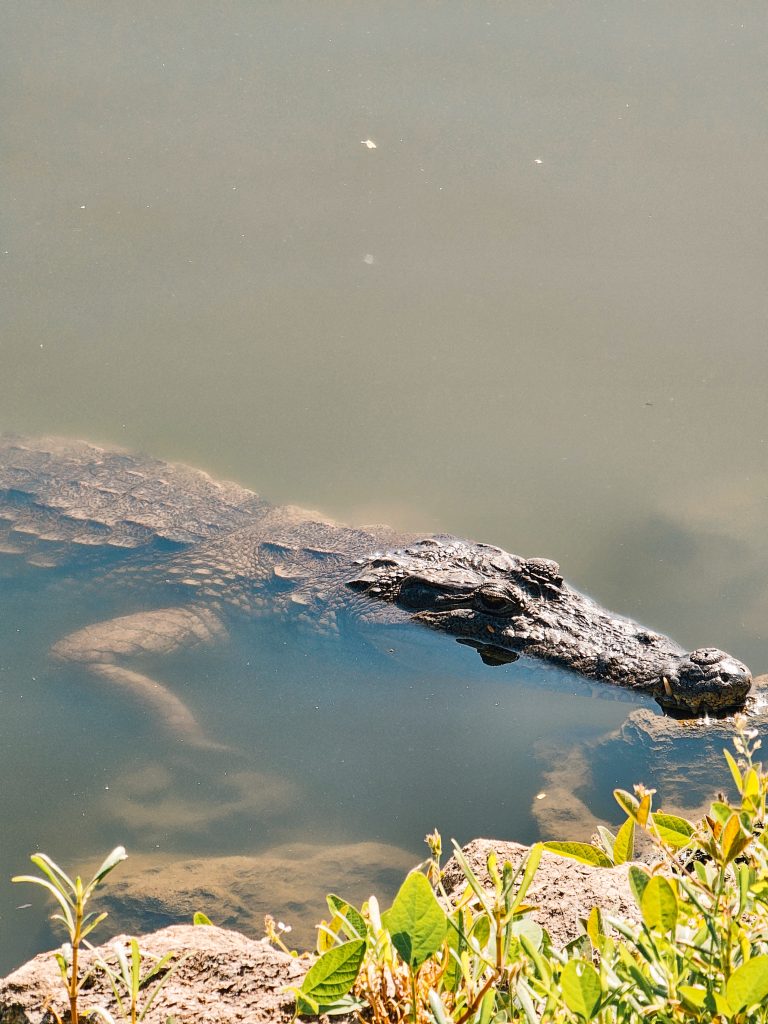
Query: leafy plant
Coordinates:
[696,952]
[73,898]
[128,977]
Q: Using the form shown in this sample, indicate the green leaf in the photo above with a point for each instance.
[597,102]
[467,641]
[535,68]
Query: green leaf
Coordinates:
[694,996]
[638,879]
[672,830]
[532,931]
[745,877]
[581,987]
[59,877]
[735,773]
[352,920]
[595,927]
[628,803]
[584,853]
[734,839]
[416,921]
[607,839]
[748,984]
[471,878]
[439,1011]
[333,975]
[58,895]
[720,812]
[531,866]
[624,846]
[109,863]
[88,928]
[481,931]
[201,918]
[305,1005]
[659,904]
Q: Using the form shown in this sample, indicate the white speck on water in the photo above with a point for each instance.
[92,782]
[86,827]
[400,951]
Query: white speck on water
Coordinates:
[538,161]
[82,207]
[368,143]
[368,259]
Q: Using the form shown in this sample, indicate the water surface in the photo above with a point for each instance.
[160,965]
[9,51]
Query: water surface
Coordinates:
[533,315]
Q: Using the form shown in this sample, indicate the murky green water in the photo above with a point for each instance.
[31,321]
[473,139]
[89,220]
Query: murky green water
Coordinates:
[534,315]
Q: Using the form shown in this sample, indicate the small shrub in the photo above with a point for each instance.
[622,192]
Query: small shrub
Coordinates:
[73,898]
[698,953]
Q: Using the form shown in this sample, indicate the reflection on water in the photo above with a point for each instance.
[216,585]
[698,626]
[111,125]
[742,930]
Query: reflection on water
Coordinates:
[533,315]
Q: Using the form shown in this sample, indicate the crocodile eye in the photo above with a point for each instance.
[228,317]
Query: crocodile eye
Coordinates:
[416,595]
[496,602]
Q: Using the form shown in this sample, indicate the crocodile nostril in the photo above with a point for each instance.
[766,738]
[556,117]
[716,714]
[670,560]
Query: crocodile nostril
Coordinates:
[706,656]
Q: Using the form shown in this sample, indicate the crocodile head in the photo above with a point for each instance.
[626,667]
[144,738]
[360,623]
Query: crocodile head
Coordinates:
[505,606]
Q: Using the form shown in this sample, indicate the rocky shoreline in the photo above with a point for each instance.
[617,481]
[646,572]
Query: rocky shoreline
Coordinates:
[225,977]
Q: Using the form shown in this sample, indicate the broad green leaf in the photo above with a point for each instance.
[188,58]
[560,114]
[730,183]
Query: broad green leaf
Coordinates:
[751,784]
[624,847]
[748,984]
[672,830]
[607,839]
[306,1006]
[722,1006]
[628,803]
[527,927]
[720,812]
[595,928]
[582,852]
[581,987]
[201,918]
[638,879]
[481,931]
[659,904]
[735,773]
[734,839]
[695,997]
[644,810]
[416,922]
[353,922]
[333,975]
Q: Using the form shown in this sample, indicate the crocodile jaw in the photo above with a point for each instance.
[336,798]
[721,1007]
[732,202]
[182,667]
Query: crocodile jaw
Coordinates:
[705,680]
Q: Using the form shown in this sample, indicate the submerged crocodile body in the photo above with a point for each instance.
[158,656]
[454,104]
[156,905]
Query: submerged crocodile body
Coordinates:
[206,551]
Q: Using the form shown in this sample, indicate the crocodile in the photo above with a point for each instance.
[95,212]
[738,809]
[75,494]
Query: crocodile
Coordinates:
[190,554]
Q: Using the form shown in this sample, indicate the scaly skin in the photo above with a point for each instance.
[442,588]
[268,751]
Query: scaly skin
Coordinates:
[196,553]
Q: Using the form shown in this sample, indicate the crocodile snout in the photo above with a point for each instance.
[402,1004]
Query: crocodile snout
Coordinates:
[706,680]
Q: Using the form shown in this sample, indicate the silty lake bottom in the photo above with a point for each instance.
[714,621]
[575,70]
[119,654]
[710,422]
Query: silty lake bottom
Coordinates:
[339,755]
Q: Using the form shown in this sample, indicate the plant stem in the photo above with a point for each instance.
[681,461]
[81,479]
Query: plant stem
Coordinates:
[73,985]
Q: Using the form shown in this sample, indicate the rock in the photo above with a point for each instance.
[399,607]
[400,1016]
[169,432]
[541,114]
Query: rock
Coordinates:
[222,978]
[562,889]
